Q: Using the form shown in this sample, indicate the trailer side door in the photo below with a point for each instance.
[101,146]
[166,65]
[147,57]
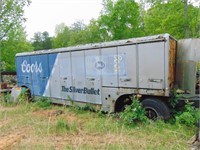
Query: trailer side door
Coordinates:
[78,74]
[127,61]
[65,75]
[151,65]
[110,71]
[94,65]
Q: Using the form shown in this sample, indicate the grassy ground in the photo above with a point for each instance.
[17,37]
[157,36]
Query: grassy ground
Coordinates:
[26,126]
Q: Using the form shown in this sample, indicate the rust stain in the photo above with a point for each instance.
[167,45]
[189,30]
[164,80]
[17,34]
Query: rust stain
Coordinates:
[172,58]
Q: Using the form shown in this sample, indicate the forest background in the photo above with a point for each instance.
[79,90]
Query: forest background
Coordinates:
[119,19]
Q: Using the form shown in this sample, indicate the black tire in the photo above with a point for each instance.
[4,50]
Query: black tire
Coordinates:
[156,109]
[122,102]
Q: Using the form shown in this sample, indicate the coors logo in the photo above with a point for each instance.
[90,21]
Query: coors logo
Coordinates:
[34,67]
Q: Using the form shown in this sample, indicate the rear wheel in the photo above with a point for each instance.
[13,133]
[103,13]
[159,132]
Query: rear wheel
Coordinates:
[156,109]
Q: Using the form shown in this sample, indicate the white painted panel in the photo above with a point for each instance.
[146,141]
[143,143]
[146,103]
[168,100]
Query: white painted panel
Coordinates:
[65,76]
[78,74]
[94,65]
[110,71]
[128,67]
[151,65]
[54,80]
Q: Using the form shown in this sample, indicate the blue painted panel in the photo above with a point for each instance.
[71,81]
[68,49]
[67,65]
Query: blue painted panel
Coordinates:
[40,73]
[18,63]
[34,72]
[23,71]
[52,58]
[53,86]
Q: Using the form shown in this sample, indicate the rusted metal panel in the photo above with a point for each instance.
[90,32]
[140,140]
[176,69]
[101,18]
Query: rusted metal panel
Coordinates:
[187,68]
[3,86]
[172,56]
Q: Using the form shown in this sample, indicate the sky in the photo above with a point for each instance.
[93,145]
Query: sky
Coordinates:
[44,15]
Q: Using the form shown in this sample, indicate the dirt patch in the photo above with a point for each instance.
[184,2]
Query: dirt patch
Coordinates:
[48,113]
[81,140]
[7,141]
[53,113]
[96,141]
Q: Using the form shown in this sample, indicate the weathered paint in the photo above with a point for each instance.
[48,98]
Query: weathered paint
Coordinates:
[100,73]
[172,62]
[188,58]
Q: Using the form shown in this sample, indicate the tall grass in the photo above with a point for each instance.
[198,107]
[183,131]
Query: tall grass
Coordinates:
[80,129]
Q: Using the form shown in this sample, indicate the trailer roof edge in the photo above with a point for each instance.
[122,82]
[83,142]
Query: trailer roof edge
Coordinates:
[130,41]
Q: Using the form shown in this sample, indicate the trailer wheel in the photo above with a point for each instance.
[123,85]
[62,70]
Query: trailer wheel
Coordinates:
[156,109]
[122,102]
[27,93]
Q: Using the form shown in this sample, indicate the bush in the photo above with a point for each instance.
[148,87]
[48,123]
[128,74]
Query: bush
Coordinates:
[134,112]
[88,107]
[24,96]
[175,98]
[5,99]
[62,125]
[189,116]
[43,103]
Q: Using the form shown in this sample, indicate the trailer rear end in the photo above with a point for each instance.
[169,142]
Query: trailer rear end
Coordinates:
[188,69]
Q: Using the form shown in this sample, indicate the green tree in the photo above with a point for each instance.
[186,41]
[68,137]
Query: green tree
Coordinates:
[41,41]
[11,14]
[93,34]
[62,37]
[11,31]
[46,40]
[14,43]
[173,16]
[120,19]
[37,41]
[78,33]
